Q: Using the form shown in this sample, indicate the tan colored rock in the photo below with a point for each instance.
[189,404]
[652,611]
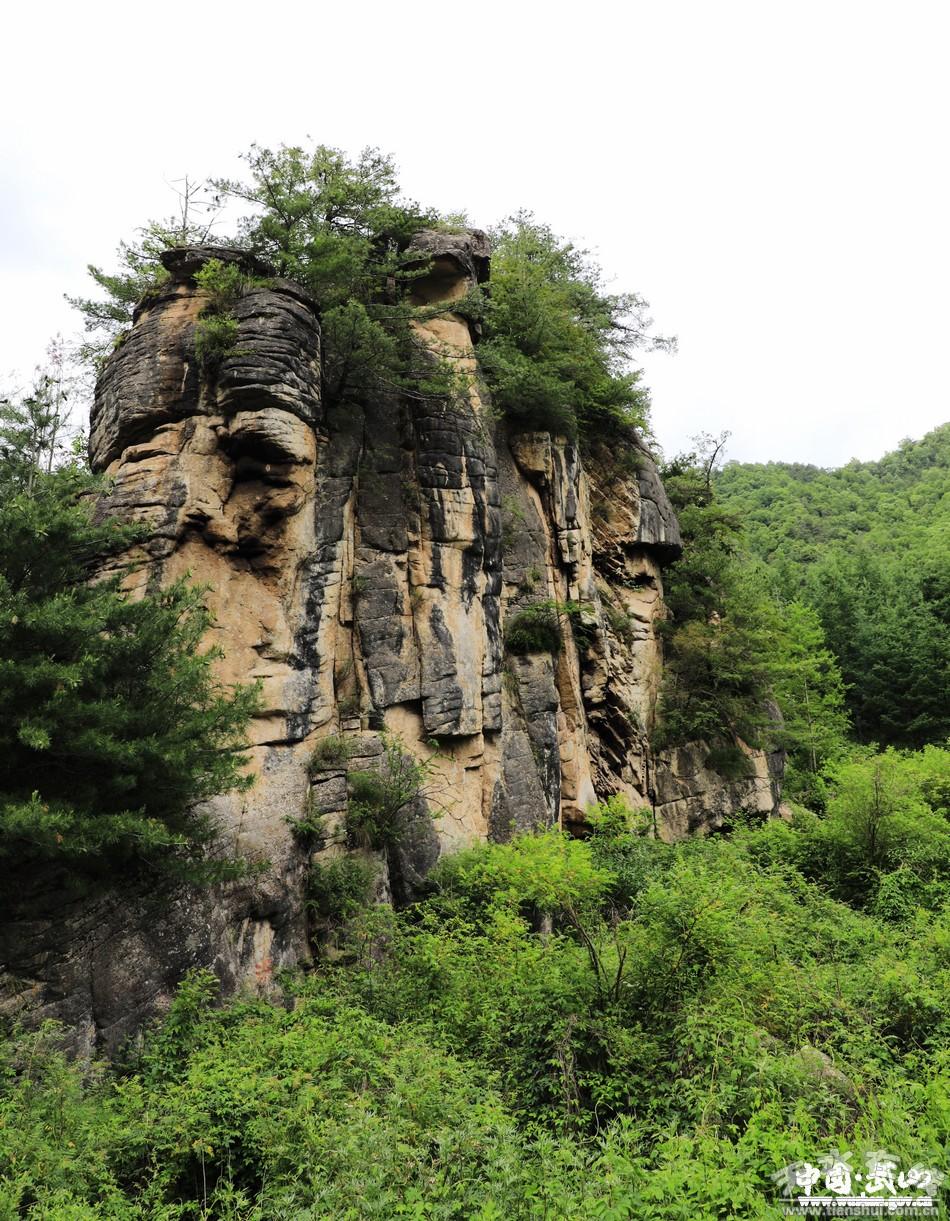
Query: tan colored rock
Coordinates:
[361,564]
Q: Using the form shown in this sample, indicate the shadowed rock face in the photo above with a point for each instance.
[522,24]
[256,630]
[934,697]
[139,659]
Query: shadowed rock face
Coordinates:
[362,561]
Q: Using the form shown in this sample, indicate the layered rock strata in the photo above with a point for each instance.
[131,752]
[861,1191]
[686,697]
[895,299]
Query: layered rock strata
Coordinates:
[362,562]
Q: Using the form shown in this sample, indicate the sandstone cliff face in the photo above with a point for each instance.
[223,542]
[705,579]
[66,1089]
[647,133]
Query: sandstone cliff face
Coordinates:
[362,564]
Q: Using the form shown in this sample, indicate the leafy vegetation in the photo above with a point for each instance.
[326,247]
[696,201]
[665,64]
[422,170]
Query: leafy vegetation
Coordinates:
[557,347]
[340,229]
[108,316]
[380,802]
[740,662]
[866,547]
[217,328]
[330,752]
[112,723]
[338,889]
[535,629]
[611,1028]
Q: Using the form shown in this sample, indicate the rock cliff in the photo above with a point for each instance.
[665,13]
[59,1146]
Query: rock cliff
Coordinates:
[364,564]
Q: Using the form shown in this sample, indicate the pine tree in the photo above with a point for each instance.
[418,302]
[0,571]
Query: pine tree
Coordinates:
[106,318]
[734,650]
[112,723]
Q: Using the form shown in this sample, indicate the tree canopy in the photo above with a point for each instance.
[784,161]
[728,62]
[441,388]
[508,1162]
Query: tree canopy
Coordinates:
[557,347]
[867,546]
[740,661]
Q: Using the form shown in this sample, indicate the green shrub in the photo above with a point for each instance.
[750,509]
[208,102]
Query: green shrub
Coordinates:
[557,346]
[881,844]
[545,873]
[621,623]
[224,283]
[215,338]
[379,804]
[614,818]
[536,629]
[334,751]
[216,330]
[337,889]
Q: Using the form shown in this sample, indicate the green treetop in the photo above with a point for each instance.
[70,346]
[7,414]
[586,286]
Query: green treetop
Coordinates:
[557,347]
[735,652]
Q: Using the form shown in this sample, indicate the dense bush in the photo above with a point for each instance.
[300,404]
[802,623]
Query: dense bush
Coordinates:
[535,629]
[331,752]
[382,801]
[338,888]
[216,329]
[684,1022]
[557,345]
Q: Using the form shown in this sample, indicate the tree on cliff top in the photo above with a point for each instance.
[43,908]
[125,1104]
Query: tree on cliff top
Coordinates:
[112,724]
[335,226]
[557,346]
[341,230]
[106,317]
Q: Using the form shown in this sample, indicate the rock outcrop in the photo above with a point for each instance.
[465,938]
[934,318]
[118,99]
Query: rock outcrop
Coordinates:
[363,563]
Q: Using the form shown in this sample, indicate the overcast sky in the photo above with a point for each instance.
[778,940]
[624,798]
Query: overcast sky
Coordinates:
[772,177]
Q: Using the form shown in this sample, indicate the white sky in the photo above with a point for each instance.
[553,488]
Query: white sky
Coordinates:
[772,176]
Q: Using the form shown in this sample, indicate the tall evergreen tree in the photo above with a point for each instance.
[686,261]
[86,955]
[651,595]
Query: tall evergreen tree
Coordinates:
[866,547]
[112,723]
[734,650]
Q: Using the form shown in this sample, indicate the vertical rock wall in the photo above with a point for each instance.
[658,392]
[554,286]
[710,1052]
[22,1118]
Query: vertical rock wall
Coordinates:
[362,563]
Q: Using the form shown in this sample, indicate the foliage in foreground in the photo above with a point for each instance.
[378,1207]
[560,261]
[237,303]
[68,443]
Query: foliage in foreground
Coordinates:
[608,1029]
[112,722]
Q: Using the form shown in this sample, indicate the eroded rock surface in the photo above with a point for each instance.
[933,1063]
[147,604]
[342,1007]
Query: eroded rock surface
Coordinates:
[362,562]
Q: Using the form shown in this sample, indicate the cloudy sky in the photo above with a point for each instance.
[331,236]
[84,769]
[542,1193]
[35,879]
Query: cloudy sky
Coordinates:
[772,176]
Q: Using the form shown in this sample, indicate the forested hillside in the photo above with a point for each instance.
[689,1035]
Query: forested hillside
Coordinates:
[867,546]
[794,513]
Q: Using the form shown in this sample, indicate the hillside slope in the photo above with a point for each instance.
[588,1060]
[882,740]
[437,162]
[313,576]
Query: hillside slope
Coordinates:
[868,546]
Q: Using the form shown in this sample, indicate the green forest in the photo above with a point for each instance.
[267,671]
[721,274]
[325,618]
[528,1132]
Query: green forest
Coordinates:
[867,547]
[610,1027]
